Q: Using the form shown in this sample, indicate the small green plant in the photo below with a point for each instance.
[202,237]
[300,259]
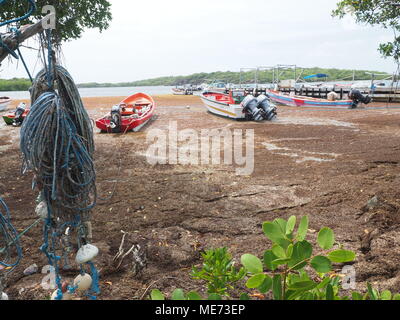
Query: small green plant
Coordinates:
[283,268]
[218,271]
[287,271]
[374,294]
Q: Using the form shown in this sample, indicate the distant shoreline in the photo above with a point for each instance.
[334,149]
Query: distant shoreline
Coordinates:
[199,78]
[100,92]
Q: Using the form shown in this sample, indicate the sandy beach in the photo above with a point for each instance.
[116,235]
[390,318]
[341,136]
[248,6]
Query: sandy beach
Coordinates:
[325,164]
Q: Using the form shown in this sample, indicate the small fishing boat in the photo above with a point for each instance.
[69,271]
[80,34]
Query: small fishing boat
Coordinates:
[216,86]
[4,103]
[304,101]
[182,91]
[236,105]
[16,117]
[131,114]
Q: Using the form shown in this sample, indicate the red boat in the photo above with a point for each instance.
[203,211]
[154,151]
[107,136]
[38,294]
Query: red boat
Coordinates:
[131,114]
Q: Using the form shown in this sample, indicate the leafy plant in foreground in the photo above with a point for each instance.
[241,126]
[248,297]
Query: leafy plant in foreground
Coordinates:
[288,271]
[218,271]
[286,262]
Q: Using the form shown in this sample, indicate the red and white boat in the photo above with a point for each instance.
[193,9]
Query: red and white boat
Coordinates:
[4,103]
[236,105]
[131,114]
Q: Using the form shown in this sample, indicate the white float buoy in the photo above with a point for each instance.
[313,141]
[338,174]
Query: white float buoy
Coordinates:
[83,282]
[41,210]
[66,296]
[4,296]
[86,253]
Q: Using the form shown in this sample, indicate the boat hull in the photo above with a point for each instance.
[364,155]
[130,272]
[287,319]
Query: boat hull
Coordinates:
[4,104]
[224,109]
[179,92]
[303,101]
[130,122]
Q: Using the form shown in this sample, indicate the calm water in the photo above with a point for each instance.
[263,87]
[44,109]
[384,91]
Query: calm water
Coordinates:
[100,92]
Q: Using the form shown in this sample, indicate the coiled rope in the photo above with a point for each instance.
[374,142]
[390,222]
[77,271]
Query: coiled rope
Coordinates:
[57,145]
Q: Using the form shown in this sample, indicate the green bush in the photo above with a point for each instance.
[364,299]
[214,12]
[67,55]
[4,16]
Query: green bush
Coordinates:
[218,271]
[15,85]
[288,270]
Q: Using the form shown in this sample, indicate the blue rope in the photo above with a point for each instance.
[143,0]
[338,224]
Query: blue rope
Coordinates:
[10,235]
[17,33]
[32,8]
[50,78]
[57,144]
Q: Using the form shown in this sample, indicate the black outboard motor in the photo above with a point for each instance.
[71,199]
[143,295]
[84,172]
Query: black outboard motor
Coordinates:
[18,116]
[358,97]
[115,121]
[268,110]
[250,106]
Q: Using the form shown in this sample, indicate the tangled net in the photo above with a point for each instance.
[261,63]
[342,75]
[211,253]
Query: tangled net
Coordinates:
[57,145]
[10,250]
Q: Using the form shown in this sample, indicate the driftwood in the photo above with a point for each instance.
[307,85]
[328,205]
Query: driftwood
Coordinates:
[26,32]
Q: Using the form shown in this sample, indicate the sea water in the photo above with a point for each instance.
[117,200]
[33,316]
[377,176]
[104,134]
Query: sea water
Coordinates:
[101,92]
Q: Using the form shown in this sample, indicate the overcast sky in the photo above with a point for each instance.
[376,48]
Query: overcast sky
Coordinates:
[153,38]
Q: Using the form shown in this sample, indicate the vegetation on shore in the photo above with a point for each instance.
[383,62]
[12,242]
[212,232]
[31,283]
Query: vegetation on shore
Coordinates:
[17,84]
[237,77]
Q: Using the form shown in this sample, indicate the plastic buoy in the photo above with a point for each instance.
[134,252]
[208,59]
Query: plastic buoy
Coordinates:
[41,210]
[66,296]
[4,296]
[83,282]
[86,253]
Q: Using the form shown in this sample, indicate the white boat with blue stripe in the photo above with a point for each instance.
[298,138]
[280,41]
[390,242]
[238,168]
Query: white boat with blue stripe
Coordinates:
[303,101]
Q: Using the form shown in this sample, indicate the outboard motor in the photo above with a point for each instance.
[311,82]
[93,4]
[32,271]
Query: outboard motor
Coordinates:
[358,97]
[18,116]
[250,106]
[268,110]
[115,121]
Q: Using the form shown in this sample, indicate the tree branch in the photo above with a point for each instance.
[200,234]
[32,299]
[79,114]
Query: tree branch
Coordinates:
[26,32]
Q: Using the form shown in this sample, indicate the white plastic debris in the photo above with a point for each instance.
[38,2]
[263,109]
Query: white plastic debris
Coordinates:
[41,210]
[333,96]
[83,282]
[31,270]
[86,253]
[66,296]
[4,296]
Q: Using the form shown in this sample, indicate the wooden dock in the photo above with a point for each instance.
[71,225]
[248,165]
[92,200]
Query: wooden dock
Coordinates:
[379,95]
